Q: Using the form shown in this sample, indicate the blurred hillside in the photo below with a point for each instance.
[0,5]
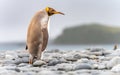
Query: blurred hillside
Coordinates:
[89,34]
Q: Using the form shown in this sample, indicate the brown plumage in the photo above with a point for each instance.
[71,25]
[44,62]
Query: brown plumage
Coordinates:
[37,36]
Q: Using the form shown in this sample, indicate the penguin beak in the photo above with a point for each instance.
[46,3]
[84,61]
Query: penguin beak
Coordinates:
[59,13]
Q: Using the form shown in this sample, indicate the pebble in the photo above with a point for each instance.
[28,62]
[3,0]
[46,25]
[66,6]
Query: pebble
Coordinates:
[116,68]
[96,49]
[53,62]
[39,63]
[113,62]
[46,72]
[83,66]
[66,67]
[83,60]
[96,61]
[23,65]
[70,57]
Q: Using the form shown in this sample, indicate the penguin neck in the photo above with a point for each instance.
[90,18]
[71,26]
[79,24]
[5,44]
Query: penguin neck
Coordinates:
[48,25]
[45,20]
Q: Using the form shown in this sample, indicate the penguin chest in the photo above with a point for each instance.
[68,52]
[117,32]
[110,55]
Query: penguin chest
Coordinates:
[44,22]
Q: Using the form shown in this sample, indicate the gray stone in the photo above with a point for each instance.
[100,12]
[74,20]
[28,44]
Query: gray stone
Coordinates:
[116,68]
[101,67]
[77,56]
[18,61]
[83,60]
[96,53]
[11,55]
[53,62]
[30,73]
[83,66]
[113,62]
[52,51]
[23,64]
[56,61]
[46,72]
[70,58]
[39,63]
[25,60]
[96,49]
[23,55]
[7,61]
[108,73]
[115,53]
[66,67]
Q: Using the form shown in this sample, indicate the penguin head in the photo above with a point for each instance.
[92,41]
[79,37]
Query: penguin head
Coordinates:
[52,11]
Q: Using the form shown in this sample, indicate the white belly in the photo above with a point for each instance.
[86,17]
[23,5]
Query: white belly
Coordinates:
[48,26]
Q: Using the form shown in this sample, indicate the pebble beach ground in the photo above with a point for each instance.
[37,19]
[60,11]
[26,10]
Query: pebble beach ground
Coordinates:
[96,61]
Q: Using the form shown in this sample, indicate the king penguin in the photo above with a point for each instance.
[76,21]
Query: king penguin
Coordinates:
[37,35]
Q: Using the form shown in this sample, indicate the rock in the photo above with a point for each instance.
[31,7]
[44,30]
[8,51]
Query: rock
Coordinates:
[113,62]
[108,73]
[30,69]
[96,53]
[101,67]
[116,68]
[63,60]
[115,53]
[6,72]
[21,60]
[23,65]
[71,73]
[30,73]
[95,66]
[83,66]
[47,60]
[23,55]
[46,72]
[39,63]
[107,52]
[66,67]
[93,57]
[56,55]
[77,56]
[11,55]
[96,49]
[70,57]
[25,60]
[7,61]
[18,61]
[52,51]
[53,62]
[17,70]
[83,60]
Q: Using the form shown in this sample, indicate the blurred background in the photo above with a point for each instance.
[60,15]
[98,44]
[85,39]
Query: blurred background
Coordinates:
[87,23]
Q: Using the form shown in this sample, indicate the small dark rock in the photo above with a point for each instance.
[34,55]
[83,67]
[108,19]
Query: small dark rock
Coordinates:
[17,70]
[77,56]
[53,62]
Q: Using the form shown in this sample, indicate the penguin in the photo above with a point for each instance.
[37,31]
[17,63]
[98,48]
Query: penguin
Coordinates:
[37,35]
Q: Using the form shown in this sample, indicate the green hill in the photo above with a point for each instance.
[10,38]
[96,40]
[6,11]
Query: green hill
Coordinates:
[89,34]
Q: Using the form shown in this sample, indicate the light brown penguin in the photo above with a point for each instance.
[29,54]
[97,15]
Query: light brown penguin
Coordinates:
[37,35]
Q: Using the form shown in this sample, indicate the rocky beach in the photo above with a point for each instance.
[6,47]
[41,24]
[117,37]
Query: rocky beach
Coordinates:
[95,61]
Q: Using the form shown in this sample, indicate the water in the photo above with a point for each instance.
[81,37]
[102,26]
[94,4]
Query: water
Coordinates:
[51,46]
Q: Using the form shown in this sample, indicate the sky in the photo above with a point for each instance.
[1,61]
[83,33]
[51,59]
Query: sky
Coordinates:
[15,15]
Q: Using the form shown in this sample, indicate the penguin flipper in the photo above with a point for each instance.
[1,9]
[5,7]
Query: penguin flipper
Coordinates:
[45,38]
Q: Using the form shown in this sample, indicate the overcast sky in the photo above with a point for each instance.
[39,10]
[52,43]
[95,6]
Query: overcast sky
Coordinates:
[15,15]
